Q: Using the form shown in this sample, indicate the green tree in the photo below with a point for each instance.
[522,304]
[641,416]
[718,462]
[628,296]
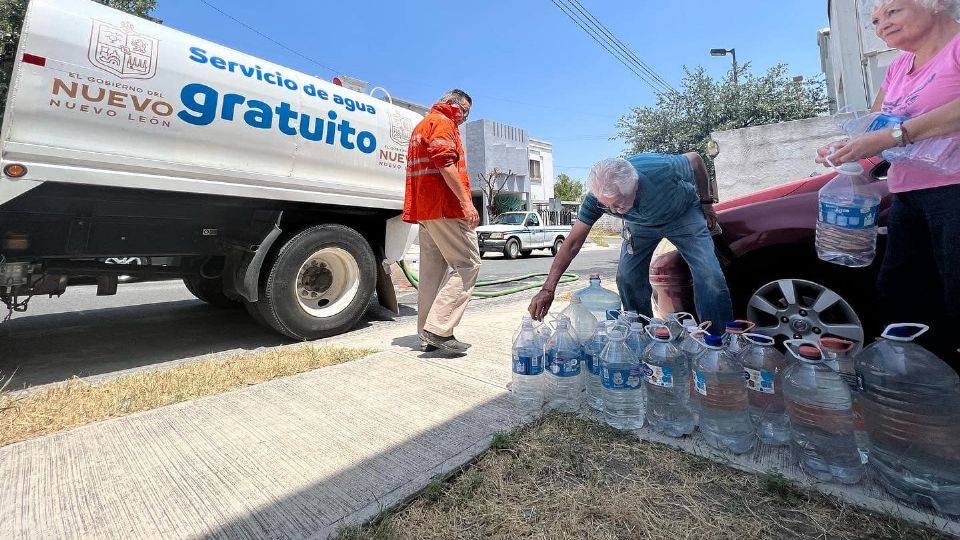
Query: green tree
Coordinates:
[12,13]
[682,122]
[566,189]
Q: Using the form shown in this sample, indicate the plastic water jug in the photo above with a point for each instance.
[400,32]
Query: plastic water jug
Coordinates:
[563,385]
[526,384]
[821,416]
[592,349]
[837,355]
[690,347]
[847,222]
[733,339]
[763,367]
[667,384]
[724,406]
[582,321]
[675,322]
[603,303]
[911,405]
[622,375]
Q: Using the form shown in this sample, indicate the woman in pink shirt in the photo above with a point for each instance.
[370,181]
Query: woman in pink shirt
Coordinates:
[920,275]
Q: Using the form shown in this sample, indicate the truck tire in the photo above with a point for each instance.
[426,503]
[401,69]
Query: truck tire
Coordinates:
[319,284]
[512,249]
[556,246]
[526,253]
[210,290]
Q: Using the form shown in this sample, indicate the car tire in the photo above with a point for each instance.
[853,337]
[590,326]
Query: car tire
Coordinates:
[512,249]
[210,290]
[526,253]
[320,283]
[556,246]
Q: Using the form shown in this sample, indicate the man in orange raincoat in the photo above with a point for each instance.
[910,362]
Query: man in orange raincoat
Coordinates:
[438,199]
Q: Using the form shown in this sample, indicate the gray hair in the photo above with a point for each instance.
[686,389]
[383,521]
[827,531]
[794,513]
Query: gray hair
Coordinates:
[950,6]
[456,96]
[611,177]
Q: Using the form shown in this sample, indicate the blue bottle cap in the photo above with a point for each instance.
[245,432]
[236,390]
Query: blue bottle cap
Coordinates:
[712,340]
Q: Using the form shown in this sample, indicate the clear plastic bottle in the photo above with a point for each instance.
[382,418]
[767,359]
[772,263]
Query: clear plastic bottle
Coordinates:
[592,349]
[847,224]
[911,404]
[637,339]
[821,416]
[603,303]
[733,339]
[676,322]
[526,385]
[563,384]
[582,321]
[763,367]
[938,155]
[837,355]
[724,407]
[667,384]
[690,347]
[622,376]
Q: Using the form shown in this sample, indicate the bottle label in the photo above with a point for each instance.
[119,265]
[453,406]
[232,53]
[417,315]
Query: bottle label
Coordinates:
[593,364]
[563,365]
[659,376]
[527,365]
[861,213]
[886,120]
[759,380]
[700,382]
[622,379]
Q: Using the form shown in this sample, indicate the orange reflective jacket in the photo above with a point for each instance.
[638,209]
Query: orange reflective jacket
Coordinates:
[435,143]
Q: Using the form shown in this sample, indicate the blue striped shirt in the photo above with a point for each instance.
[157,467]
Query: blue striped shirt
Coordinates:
[666,192]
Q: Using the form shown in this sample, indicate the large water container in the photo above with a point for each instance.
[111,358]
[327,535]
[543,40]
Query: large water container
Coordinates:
[724,407]
[563,385]
[526,384]
[603,303]
[911,404]
[676,322]
[582,321]
[847,223]
[637,339]
[763,367]
[821,416]
[733,339]
[667,384]
[592,349]
[622,376]
[837,353]
[690,347]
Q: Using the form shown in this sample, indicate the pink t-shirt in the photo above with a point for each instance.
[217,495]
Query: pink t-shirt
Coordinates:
[914,93]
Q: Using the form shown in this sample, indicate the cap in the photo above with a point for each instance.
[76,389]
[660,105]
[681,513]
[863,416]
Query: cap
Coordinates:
[850,168]
[712,340]
[662,332]
[594,275]
[809,352]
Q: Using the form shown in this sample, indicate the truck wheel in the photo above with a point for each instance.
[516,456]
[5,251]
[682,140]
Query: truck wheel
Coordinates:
[319,284]
[526,253]
[512,249]
[209,290]
[556,246]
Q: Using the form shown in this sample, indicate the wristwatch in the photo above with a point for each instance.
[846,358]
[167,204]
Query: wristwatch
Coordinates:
[898,135]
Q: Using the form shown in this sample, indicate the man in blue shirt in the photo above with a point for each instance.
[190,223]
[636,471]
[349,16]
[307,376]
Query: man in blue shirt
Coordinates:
[657,198]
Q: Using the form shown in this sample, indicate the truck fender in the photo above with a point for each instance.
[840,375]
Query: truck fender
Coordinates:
[244,261]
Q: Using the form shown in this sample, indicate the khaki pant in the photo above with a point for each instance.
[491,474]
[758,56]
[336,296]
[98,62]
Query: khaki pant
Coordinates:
[449,266]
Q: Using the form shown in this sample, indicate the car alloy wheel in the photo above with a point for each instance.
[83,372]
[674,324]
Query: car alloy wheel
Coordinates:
[801,309]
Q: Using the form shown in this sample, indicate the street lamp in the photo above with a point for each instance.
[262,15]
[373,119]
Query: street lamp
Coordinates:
[723,52]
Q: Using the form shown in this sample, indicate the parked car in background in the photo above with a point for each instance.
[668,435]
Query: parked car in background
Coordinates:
[519,233]
[776,280]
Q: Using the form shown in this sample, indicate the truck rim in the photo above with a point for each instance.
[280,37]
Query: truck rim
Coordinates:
[327,282]
[801,309]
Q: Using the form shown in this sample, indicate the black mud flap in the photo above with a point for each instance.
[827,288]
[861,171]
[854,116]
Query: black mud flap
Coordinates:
[386,293]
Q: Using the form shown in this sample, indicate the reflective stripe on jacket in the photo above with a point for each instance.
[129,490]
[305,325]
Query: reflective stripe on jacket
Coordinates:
[435,143]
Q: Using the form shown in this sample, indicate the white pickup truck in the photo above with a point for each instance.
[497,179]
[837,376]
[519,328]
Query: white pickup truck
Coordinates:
[519,233]
[258,185]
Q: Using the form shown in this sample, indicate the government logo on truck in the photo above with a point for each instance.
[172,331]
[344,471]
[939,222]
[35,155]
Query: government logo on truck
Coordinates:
[123,51]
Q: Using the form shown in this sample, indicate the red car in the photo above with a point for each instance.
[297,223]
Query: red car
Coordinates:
[776,280]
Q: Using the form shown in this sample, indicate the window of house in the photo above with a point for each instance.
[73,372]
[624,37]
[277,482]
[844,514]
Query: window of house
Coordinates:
[535,169]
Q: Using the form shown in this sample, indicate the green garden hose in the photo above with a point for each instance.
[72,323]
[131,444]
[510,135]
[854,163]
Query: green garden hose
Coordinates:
[567,277]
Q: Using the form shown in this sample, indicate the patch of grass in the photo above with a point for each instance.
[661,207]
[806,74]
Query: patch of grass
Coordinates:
[434,490]
[75,402]
[503,440]
[569,478]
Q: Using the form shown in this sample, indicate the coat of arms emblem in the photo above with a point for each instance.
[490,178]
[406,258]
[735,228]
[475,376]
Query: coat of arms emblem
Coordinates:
[123,51]
[400,129]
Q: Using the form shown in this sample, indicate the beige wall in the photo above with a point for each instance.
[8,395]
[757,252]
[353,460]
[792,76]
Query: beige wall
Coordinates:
[759,157]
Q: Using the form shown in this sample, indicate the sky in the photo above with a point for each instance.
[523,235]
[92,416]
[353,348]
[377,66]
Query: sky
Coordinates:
[523,61]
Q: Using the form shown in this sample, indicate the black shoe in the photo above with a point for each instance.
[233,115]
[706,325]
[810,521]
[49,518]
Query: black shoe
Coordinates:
[449,343]
[426,347]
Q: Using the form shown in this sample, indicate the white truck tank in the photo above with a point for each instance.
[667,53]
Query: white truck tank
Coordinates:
[254,182]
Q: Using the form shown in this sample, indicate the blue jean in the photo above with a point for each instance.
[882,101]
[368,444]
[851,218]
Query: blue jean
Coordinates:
[919,279]
[690,235]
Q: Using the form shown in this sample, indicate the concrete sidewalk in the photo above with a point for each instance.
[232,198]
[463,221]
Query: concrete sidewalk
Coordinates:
[301,456]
